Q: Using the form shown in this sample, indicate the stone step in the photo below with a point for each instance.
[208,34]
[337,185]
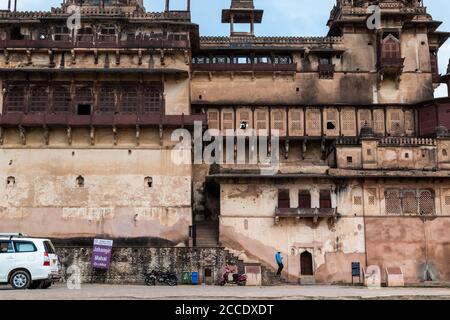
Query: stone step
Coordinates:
[307,280]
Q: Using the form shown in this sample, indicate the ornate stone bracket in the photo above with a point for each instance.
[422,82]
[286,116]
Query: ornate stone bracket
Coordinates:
[6,53]
[22,134]
[74,57]
[186,57]
[69,135]
[140,57]
[46,135]
[138,135]
[29,60]
[51,58]
[162,58]
[92,135]
[114,129]
[96,56]
[286,149]
[161,134]
[117,57]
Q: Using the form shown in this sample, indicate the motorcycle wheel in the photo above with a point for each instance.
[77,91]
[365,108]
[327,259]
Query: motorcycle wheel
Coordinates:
[150,282]
[172,282]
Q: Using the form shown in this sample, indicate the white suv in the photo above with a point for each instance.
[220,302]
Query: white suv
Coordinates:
[28,262]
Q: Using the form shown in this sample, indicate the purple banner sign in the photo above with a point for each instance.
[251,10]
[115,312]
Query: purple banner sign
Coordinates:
[101,254]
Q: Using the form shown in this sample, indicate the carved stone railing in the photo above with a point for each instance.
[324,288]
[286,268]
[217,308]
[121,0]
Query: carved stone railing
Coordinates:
[326,71]
[133,43]
[306,212]
[236,67]
[406,141]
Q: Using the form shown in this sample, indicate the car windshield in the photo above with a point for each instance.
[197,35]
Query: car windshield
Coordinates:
[49,248]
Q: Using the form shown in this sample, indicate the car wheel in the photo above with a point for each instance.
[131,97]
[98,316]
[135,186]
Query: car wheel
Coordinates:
[35,284]
[20,280]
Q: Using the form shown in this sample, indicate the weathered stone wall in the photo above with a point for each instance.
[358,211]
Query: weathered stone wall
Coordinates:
[247,223]
[411,243]
[129,264]
[40,194]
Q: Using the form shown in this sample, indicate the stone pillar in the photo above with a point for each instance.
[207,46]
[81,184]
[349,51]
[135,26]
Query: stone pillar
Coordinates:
[315,197]
[167,5]
[448,78]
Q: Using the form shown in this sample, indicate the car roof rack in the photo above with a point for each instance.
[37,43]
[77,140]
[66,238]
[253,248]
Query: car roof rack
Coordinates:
[13,235]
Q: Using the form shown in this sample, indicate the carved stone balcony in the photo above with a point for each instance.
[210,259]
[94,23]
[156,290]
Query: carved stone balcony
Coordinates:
[96,43]
[391,65]
[326,71]
[311,213]
[68,119]
[242,67]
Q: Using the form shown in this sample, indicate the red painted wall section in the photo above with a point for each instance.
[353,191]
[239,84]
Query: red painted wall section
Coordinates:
[412,244]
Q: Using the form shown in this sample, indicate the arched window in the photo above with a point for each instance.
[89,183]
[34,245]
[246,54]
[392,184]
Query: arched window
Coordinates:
[306,264]
[393,202]
[390,48]
[80,181]
[426,202]
[409,202]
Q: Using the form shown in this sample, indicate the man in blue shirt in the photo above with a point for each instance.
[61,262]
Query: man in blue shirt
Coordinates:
[279,259]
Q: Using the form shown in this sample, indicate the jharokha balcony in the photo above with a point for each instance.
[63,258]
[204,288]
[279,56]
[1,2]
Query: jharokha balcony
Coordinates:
[299,213]
[95,43]
[391,64]
[326,71]
[69,119]
[241,67]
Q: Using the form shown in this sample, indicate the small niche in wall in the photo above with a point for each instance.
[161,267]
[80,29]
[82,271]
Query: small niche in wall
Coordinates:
[148,182]
[444,152]
[330,125]
[80,181]
[10,181]
[369,152]
[406,155]
[349,159]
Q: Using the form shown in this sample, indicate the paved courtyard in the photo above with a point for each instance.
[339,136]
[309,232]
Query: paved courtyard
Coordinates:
[89,291]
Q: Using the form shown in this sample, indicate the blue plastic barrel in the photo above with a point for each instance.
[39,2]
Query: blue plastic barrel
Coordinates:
[194,278]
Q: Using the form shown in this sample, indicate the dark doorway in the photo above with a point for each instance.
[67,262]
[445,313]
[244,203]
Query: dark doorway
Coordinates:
[16,34]
[306,264]
[304,200]
[84,110]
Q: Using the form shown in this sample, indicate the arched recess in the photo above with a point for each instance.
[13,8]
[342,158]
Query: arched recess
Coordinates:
[306,264]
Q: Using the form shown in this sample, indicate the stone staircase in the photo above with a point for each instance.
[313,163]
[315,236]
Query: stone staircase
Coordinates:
[269,275]
[207,234]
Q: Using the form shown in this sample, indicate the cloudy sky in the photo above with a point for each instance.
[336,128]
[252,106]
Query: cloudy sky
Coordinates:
[281,17]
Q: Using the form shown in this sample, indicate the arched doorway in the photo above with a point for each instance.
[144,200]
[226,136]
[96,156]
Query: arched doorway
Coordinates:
[306,264]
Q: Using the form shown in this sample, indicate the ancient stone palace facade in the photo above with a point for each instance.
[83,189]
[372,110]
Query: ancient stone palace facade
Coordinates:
[92,92]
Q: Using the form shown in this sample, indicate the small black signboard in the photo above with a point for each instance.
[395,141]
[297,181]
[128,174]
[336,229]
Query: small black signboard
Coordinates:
[356,269]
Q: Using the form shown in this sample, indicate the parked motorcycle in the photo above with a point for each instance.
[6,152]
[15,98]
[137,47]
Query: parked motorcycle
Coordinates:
[161,278]
[229,277]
